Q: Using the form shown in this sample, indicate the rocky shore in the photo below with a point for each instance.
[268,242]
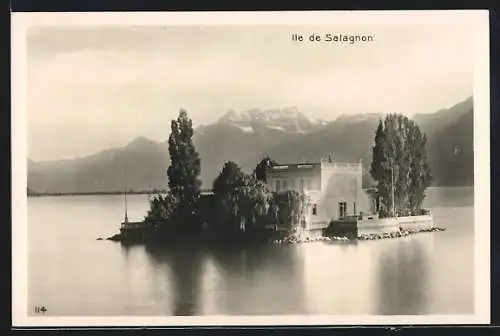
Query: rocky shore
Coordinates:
[377,236]
[295,239]
[115,237]
[397,234]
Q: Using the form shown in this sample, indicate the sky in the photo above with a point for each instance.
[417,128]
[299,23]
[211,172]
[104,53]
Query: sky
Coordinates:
[92,88]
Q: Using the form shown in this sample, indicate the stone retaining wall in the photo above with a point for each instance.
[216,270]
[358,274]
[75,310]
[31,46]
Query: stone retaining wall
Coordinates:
[415,222]
[388,225]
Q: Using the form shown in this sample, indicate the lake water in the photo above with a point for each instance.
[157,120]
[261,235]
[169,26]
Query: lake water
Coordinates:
[73,274]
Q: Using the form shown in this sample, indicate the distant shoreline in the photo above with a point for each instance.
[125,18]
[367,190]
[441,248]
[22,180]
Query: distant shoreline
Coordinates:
[150,192]
[95,193]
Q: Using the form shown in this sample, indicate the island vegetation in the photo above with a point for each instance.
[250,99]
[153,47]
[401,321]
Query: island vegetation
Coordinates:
[240,208]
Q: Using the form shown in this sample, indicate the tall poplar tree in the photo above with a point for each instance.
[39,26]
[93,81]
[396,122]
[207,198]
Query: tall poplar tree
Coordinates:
[184,170]
[420,178]
[399,164]
[380,168]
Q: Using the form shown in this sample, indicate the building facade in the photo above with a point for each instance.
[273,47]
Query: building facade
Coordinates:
[334,189]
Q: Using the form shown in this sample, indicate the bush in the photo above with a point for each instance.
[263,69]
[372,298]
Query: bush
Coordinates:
[160,215]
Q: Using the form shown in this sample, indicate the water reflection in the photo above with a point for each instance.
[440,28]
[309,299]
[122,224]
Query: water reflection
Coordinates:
[403,278]
[126,248]
[309,279]
[102,278]
[184,276]
[260,280]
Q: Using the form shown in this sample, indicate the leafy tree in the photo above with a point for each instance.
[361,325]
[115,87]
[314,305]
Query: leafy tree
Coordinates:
[288,209]
[231,176]
[241,201]
[373,196]
[162,207]
[399,164]
[260,171]
[253,202]
[184,170]
[225,185]
[420,178]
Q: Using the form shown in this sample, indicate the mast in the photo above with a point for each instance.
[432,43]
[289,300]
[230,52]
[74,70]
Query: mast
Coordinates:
[391,156]
[125,195]
[355,200]
[355,195]
[392,190]
[359,177]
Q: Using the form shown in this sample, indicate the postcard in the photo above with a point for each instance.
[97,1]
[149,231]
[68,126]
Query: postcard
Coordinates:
[250,168]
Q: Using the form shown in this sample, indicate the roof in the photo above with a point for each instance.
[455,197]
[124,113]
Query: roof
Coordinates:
[206,192]
[295,167]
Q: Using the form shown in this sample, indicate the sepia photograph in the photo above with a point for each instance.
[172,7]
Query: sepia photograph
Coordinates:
[266,168]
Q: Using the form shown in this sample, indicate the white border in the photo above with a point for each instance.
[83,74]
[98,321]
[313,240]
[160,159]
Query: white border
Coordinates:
[20,22]
[482,211]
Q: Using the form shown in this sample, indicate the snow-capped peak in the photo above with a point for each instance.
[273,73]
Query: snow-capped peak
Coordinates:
[287,119]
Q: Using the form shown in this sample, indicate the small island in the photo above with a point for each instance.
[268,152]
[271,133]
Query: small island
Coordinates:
[290,203]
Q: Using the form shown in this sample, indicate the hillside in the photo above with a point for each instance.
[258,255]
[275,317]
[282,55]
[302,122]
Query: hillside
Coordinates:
[285,134]
[451,152]
[105,171]
[236,136]
[435,122]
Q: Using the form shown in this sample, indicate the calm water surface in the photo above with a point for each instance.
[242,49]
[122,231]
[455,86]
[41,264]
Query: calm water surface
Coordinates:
[72,273]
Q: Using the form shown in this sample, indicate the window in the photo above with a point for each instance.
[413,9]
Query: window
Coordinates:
[278,185]
[285,184]
[301,185]
[292,184]
[315,209]
[342,209]
[309,185]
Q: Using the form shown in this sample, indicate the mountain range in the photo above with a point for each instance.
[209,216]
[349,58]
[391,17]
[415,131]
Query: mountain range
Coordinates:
[287,135]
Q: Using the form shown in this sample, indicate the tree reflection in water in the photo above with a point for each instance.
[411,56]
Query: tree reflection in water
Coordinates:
[257,280]
[403,279]
[185,264]
[126,248]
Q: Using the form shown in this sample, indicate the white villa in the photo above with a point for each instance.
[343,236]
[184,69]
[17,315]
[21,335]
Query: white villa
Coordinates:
[334,189]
